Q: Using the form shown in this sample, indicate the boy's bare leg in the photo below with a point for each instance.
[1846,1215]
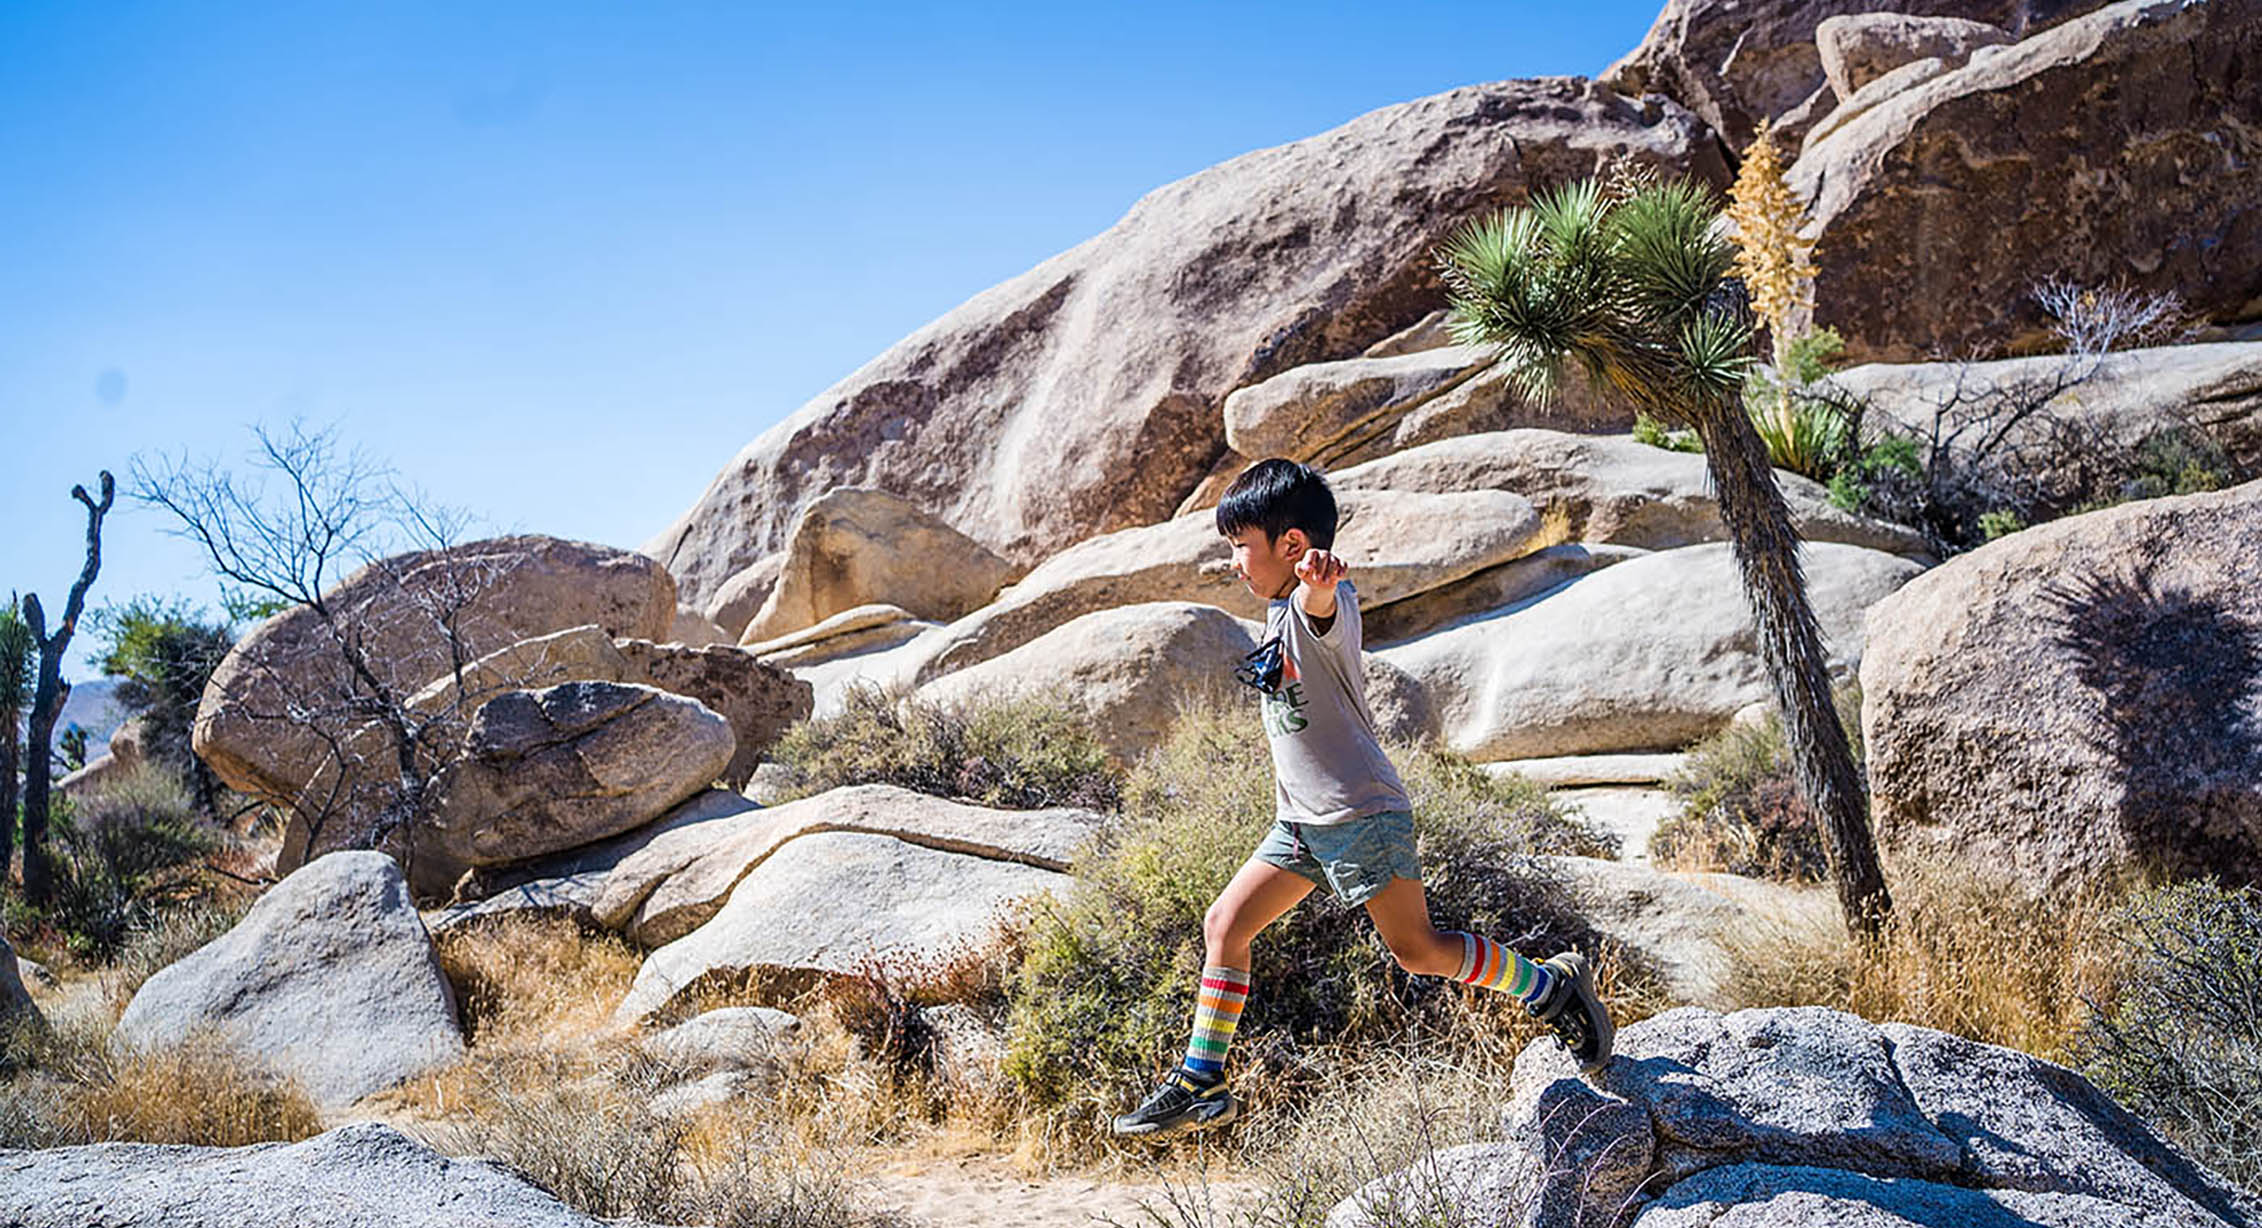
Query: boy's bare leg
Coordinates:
[1401,914]
[1259,893]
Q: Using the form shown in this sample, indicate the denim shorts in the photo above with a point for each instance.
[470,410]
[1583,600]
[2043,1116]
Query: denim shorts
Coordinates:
[1356,858]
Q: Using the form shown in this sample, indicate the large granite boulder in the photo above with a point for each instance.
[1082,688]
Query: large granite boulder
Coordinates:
[1397,544]
[785,923]
[250,726]
[862,629]
[740,596]
[366,1175]
[1859,49]
[1737,62]
[329,979]
[1083,396]
[858,545]
[2079,700]
[1127,669]
[2215,387]
[1606,488]
[1797,1116]
[1650,654]
[1334,414]
[570,883]
[2110,146]
[679,880]
[760,701]
[549,769]
[1489,591]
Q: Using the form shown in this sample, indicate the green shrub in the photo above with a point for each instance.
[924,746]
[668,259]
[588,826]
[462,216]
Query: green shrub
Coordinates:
[1890,459]
[2001,522]
[1657,435]
[2181,1042]
[125,853]
[1104,993]
[1805,434]
[1743,811]
[1013,753]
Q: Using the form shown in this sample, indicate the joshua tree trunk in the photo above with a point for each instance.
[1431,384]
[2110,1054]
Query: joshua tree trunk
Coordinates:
[1790,644]
[47,696]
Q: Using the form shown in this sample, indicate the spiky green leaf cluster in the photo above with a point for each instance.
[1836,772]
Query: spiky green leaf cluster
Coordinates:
[1629,286]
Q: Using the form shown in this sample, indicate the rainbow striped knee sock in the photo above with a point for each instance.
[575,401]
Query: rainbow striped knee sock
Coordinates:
[1217,1008]
[1487,963]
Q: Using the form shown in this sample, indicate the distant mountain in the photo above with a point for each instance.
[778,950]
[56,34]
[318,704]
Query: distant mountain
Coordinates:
[92,705]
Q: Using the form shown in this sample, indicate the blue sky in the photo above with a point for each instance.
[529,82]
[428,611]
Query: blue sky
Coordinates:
[558,262]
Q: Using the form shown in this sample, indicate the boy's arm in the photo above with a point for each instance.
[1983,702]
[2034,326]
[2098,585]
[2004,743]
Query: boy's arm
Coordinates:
[1319,570]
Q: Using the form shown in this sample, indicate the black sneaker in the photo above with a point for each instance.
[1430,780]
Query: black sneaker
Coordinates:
[1575,1011]
[1180,1102]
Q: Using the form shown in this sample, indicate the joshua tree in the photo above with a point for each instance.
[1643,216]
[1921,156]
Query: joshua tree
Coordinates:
[19,663]
[1632,283]
[47,697]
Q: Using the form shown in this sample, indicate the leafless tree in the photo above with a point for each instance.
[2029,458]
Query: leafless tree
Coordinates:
[292,532]
[48,693]
[2002,439]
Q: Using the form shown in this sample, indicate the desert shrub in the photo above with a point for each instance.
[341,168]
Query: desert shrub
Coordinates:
[1013,753]
[1658,435]
[1104,994]
[125,854]
[1962,952]
[2180,1042]
[1743,811]
[67,1085]
[597,1144]
[534,981]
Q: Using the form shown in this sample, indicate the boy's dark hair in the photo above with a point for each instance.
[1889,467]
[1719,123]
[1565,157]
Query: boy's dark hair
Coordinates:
[1278,495]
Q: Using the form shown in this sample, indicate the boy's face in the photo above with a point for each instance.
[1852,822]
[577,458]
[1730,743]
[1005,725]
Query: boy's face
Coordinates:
[1268,566]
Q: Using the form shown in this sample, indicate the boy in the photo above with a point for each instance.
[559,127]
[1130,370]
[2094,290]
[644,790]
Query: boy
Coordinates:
[1342,815]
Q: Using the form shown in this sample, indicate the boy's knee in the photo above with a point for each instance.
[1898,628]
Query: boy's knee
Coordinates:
[1427,958]
[1217,924]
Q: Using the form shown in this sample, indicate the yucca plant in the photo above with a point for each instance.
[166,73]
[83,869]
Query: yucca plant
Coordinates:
[1632,283]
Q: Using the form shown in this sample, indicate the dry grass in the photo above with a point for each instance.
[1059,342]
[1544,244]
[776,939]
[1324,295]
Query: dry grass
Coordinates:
[68,1086]
[1961,954]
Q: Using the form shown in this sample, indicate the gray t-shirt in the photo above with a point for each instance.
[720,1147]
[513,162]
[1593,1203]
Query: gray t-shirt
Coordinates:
[1327,763]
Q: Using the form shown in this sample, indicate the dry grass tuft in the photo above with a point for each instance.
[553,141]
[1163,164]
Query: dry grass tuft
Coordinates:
[1981,959]
[70,1087]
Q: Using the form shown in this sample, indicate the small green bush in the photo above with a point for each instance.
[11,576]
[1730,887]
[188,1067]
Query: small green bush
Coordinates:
[1743,811]
[1657,435]
[1104,994]
[2181,1042]
[1018,754]
[2001,522]
[127,852]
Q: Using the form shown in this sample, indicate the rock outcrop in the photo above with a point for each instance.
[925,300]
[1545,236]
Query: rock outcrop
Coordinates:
[329,979]
[249,727]
[1397,543]
[1606,488]
[858,545]
[783,924]
[1859,49]
[547,770]
[1084,396]
[2115,147]
[1736,62]
[366,1175]
[1126,670]
[1649,654]
[2078,700]
[679,880]
[1799,1116]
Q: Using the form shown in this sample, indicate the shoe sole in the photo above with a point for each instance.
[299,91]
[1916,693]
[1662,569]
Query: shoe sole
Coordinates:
[1185,1125]
[1606,1036]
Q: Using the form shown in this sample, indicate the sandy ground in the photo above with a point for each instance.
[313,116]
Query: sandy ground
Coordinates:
[964,1191]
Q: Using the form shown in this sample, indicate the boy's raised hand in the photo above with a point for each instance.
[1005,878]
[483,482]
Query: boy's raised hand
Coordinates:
[1320,569]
